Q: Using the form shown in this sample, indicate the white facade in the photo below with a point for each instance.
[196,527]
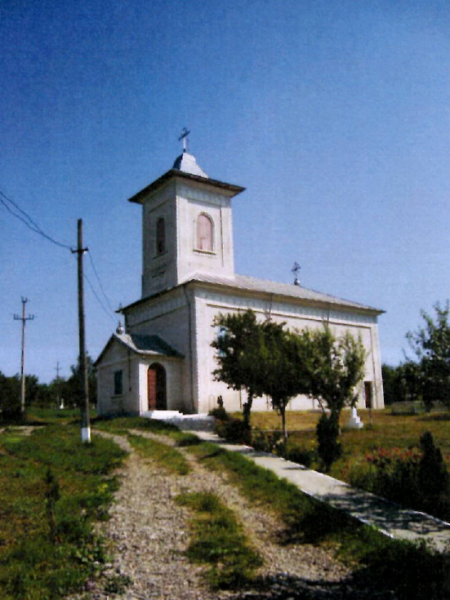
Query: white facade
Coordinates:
[188,279]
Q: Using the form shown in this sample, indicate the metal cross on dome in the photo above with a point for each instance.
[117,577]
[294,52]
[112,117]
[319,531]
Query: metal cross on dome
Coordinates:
[296,269]
[183,137]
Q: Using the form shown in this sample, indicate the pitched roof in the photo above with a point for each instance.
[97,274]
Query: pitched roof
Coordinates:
[264,286]
[145,345]
[252,284]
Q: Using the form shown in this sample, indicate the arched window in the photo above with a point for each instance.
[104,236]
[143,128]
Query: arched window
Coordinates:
[205,233]
[160,236]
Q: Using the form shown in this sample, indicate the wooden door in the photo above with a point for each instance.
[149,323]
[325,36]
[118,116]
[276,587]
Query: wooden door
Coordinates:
[368,393]
[156,387]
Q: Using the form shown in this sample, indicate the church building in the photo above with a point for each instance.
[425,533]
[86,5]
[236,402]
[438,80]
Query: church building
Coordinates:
[162,358]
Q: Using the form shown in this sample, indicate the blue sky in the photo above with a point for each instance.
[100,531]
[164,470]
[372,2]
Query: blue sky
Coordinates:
[335,115]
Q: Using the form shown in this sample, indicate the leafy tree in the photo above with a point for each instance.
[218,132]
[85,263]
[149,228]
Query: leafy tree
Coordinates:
[332,368]
[238,346]
[402,383]
[72,389]
[284,375]
[335,366]
[10,397]
[431,345]
[259,357]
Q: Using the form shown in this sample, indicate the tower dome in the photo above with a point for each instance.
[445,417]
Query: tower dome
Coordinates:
[187,163]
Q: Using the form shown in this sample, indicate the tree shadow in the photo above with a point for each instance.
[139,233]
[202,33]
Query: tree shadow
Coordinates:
[401,573]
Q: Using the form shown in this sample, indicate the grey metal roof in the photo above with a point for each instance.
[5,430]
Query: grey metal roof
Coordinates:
[187,163]
[147,344]
[252,284]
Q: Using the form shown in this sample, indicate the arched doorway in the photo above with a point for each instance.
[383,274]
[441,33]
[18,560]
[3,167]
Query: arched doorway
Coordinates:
[156,387]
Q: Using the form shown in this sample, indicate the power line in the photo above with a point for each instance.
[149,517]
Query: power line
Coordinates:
[100,283]
[98,299]
[27,220]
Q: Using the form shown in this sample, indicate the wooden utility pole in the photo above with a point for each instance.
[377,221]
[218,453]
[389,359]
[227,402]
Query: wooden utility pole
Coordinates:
[85,425]
[24,319]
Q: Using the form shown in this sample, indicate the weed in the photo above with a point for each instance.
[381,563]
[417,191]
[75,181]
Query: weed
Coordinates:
[117,584]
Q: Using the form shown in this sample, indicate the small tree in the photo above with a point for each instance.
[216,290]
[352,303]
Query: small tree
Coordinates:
[258,357]
[238,346]
[431,345]
[283,374]
[332,368]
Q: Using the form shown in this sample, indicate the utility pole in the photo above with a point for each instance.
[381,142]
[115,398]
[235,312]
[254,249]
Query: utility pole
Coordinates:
[85,425]
[59,400]
[24,319]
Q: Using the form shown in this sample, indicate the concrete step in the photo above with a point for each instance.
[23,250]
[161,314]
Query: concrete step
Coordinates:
[162,415]
[197,422]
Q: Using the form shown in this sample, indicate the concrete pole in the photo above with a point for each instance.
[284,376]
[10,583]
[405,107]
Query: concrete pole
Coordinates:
[24,319]
[85,424]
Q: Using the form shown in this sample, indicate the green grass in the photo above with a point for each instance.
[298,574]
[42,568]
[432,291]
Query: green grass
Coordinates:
[165,456]
[47,544]
[121,425]
[305,519]
[378,561]
[219,541]
[386,430]
[45,416]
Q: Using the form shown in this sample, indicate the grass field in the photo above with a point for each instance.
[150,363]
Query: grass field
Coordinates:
[386,430]
[52,488]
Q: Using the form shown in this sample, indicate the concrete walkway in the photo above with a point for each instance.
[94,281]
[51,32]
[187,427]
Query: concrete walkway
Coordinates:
[367,508]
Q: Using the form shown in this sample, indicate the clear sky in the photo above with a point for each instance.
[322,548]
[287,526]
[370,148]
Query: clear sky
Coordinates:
[335,115]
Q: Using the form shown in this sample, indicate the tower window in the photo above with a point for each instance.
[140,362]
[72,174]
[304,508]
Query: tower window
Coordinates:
[205,233]
[160,236]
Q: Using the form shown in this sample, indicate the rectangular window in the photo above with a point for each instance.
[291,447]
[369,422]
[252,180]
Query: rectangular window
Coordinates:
[118,383]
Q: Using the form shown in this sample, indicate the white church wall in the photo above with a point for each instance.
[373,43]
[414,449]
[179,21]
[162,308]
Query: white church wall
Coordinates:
[172,318]
[192,202]
[117,358]
[159,269]
[173,368]
[211,303]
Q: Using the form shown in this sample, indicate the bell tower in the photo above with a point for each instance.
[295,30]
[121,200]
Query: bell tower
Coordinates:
[186,226]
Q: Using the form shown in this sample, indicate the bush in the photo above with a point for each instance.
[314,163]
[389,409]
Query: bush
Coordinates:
[433,474]
[271,442]
[329,447]
[417,479]
[234,430]
[302,456]
[219,413]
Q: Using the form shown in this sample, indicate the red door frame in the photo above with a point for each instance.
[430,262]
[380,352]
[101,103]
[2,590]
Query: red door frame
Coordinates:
[156,387]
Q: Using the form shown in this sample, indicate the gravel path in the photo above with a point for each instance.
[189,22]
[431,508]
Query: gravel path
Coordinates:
[148,533]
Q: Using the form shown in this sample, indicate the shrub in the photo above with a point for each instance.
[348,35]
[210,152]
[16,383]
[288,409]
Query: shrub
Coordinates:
[416,478]
[329,447]
[433,474]
[301,455]
[219,413]
[271,442]
[234,430]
